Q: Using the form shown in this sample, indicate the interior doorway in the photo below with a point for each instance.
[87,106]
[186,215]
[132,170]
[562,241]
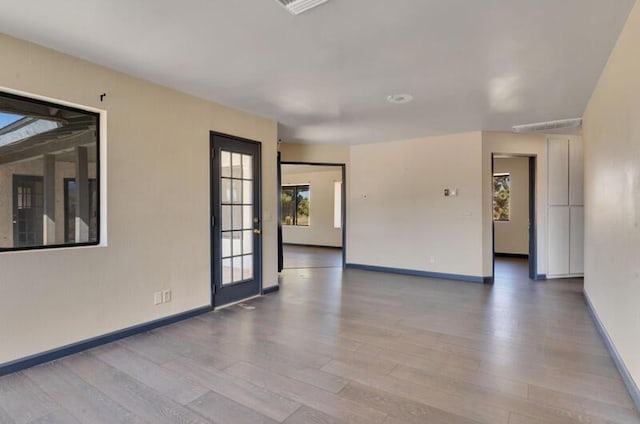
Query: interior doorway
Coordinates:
[514,215]
[311,215]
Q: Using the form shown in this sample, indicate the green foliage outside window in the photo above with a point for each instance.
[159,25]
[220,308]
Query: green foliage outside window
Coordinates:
[295,204]
[501,197]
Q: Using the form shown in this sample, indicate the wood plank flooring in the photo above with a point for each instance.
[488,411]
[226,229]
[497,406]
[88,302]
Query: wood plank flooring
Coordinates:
[311,257]
[348,347]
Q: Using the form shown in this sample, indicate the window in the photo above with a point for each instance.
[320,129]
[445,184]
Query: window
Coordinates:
[49,174]
[337,204]
[501,197]
[294,202]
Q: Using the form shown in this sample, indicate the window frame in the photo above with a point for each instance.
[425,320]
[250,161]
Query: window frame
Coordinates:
[98,115]
[295,204]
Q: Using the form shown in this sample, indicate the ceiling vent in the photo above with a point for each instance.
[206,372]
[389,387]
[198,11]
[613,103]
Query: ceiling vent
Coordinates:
[296,7]
[549,126]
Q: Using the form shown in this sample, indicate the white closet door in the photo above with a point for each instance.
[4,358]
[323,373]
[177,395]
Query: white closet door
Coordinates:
[558,171]
[558,240]
[576,248]
[576,173]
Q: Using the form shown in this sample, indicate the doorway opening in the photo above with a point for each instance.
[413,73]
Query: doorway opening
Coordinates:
[311,215]
[514,216]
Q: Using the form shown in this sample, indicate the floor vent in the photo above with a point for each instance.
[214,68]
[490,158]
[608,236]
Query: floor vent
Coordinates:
[296,7]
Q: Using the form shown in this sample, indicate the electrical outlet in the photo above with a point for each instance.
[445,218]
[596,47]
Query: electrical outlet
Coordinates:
[157,298]
[432,259]
[166,296]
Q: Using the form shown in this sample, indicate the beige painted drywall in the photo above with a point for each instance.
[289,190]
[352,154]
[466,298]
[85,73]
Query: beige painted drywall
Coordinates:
[157,181]
[515,144]
[398,215]
[320,231]
[326,153]
[612,196]
[513,236]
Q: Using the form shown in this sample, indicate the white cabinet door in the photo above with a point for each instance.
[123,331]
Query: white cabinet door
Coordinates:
[576,173]
[558,240]
[558,171]
[576,248]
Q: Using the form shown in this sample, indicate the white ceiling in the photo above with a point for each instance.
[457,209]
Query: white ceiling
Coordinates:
[324,75]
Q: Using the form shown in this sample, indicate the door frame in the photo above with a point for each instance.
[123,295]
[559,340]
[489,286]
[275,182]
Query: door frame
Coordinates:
[533,227]
[343,168]
[212,208]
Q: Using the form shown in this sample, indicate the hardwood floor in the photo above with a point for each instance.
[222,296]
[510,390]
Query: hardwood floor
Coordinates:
[348,347]
[311,257]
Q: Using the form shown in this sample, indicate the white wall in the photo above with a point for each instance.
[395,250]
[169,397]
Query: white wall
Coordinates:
[320,231]
[515,144]
[157,166]
[513,236]
[612,196]
[398,215]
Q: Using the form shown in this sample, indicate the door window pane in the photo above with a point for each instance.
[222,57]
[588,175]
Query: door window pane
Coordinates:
[237,269]
[225,164]
[247,267]
[226,272]
[226,218]
[247,167]
[247,241]
[236,165]
[236,196]
[226,191]
[237,217]
[226,244]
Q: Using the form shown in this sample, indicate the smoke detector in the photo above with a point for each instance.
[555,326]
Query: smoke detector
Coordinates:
[399,98]
[296,7]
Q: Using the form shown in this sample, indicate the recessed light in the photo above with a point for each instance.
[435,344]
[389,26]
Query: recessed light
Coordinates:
[399,98]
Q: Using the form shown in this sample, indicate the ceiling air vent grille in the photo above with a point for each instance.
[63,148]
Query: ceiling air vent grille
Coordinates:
[296,7]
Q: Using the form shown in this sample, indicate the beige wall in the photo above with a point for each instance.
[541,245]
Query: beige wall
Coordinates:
[612,196]
[398,215]
[515,144]
[320,231]
[513,236]
[157,175]
[314,153]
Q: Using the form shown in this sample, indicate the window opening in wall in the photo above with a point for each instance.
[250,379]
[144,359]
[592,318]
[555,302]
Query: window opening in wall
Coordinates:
[295,203]
[501,197]
[49,174]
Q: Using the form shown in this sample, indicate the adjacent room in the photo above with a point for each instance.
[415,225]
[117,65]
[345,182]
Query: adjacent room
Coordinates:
[320,211]
[311,205]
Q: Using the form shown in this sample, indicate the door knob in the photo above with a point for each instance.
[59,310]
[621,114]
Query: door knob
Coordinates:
[257,232]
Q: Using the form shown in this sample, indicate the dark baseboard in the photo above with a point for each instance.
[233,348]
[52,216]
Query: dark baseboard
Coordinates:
[271,289]
[312,245]
[634,391]
[30,361]
[457,277]
[541,277]
[512,255]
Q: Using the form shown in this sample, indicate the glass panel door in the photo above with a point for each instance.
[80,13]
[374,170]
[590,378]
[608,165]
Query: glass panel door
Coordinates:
[236,219]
